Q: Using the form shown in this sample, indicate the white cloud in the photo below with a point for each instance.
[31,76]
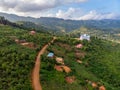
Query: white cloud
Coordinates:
[78,14]
[43,8]
[94,15]
[33,5]
[71,13]
[65,14]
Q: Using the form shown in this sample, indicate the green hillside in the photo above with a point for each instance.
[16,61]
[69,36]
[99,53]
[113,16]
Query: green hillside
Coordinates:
[58,24]
[95,64]
[107,28]
[99,64]
[16,60]
[111,34]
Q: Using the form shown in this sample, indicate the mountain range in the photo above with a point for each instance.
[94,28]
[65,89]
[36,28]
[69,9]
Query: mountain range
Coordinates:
[66,25]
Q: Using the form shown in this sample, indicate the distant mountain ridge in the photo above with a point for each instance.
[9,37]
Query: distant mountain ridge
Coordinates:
[23,25]
[59,25]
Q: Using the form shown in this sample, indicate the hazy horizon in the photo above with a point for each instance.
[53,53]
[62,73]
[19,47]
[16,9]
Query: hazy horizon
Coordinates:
[68,9]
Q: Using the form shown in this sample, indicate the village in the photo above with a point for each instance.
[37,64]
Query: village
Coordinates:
[61,65]
[57,61]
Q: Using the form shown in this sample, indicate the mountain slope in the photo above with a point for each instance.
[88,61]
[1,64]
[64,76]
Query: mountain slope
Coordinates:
[107,29]
[66,25]
[16,58]
[98,65]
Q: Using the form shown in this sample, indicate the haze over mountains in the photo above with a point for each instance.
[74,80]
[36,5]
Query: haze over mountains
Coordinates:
[59,24]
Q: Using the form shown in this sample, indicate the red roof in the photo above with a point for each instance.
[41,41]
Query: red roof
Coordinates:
[32,32]
[79,46]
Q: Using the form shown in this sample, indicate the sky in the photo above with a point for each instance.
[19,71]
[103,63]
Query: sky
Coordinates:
[66,9]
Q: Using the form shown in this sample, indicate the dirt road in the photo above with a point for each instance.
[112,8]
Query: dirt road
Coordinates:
[35,74]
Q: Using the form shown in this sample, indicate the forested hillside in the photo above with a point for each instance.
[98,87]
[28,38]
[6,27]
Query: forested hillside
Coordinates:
[107,29]
[7,22]
[18,50]
[75,64]
[94,65]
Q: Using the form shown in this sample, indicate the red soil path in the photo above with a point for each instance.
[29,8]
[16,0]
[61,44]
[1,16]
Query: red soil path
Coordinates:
[35,74]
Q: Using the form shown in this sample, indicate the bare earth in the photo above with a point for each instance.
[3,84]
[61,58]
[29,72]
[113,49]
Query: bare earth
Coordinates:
[35,74]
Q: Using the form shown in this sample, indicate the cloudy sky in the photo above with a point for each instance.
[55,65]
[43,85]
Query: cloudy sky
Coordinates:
[67,9]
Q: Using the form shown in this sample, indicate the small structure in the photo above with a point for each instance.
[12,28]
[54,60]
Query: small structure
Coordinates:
[66,69]
[58,68]
[51,55]
[85,37]
[32,32]
[70,79]
[17,40]
[79,61]
[79,46]
[102,88]
[20,41]
[94,85]
[59,60]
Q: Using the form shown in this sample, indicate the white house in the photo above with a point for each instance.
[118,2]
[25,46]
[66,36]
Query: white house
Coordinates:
[85,37]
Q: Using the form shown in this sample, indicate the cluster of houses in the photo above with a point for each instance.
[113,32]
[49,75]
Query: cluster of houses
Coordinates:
[70,79]
[62,67]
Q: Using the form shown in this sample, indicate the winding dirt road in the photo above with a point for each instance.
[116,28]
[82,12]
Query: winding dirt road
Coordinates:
[35,74]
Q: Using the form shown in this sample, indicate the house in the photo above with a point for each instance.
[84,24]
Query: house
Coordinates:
[58,68]
[66,69]
[79,46]
[51,55]
[94,85]
[85,37]
[102,88]
[32,32]
[70,79]
[59,60]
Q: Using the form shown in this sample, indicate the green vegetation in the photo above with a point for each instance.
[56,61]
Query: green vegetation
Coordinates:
[103,58]
[100,64]
[17,61]
[106,29]
[100,59]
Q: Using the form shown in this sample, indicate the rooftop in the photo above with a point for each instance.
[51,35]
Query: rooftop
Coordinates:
[50,54]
